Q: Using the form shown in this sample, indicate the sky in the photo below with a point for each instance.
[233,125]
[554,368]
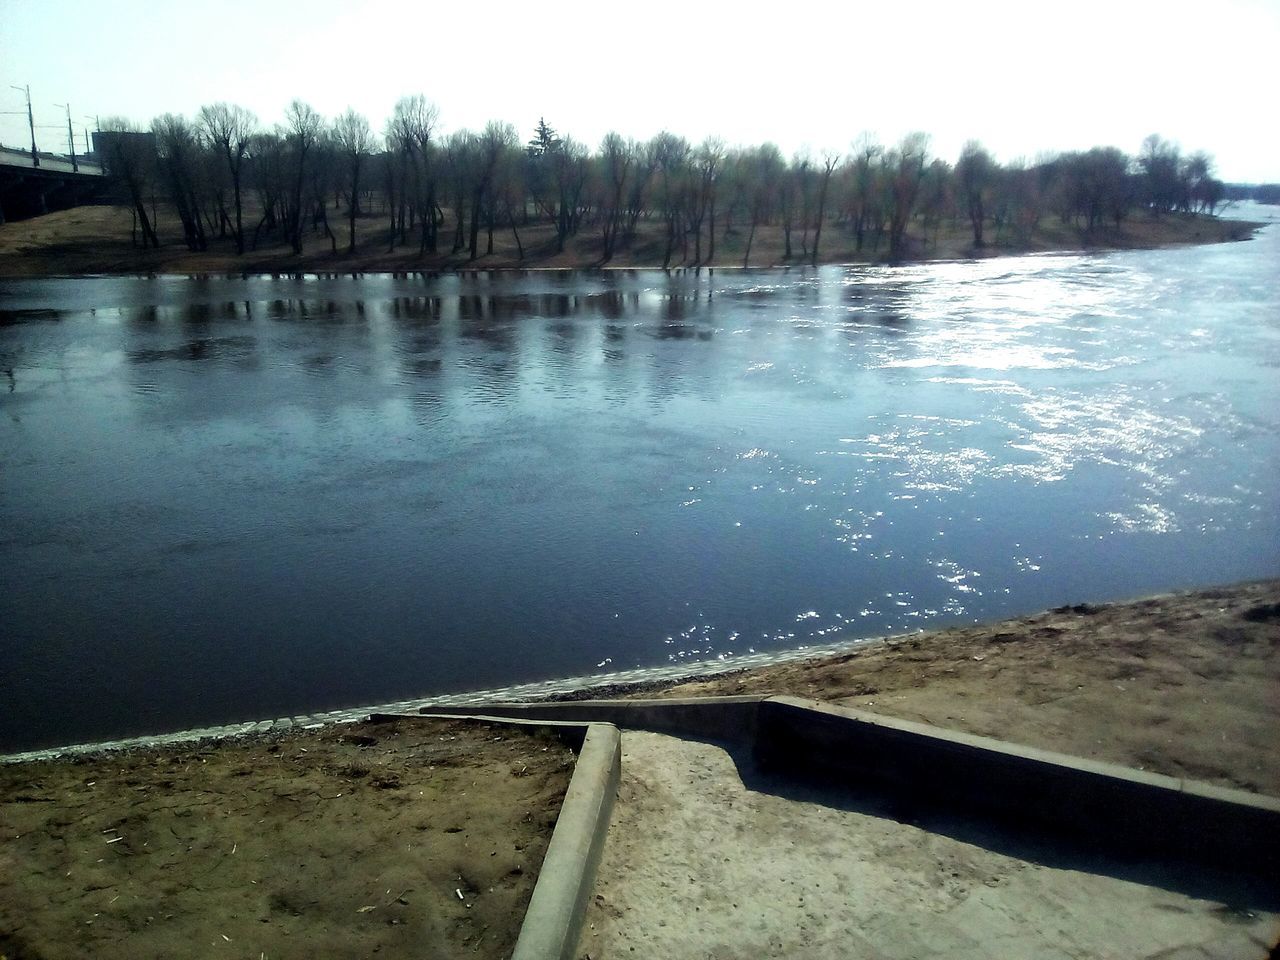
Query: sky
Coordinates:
[1025,77]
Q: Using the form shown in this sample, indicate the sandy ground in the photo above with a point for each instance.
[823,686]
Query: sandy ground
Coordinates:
[1185,684]
[415,838]
[708,859]
[97,239]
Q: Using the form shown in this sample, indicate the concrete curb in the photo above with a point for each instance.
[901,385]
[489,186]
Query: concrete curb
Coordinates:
[553,922]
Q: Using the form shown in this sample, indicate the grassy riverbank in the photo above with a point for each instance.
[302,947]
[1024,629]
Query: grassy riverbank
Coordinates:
[97,240]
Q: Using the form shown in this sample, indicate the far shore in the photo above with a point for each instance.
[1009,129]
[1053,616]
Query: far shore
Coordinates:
[96,240]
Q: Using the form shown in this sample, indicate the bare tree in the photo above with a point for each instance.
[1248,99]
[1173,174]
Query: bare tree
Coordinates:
[571,169]
[509,190]
[975,176]
[399,152]
[646,161]
[830,160]
[788,189]
[793,198]
[671,155]
[459,153]
[905,165]
[556,172]
[354,141]
[178,150]
[323,175]
[936,200]
[270,177]
[710,164]
[1092,187]
[302,128]
[706,167]
[411,134]
[1203,191]
[616,158]
[762,170]
[863,205]
[1161,163]
[131,158]
[230,129]
[491,145]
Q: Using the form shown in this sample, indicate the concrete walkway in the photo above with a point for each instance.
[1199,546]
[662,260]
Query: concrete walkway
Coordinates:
[701,864]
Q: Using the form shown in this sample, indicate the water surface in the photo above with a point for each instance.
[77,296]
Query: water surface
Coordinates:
[232,498]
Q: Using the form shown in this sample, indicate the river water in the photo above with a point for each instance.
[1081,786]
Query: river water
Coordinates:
[236,498]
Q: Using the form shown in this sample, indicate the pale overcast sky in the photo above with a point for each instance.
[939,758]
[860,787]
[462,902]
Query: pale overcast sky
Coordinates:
[1023,77]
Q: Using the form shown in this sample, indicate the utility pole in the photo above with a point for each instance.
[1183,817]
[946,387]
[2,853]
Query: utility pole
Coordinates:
[31,122]
[96,127]
[71,138]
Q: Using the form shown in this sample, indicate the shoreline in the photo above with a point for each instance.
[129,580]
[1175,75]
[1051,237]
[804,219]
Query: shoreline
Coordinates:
[95,242]
[460,268]
[562,688]
[1046,679]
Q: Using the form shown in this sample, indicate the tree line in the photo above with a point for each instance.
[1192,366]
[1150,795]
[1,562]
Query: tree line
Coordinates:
[230,178]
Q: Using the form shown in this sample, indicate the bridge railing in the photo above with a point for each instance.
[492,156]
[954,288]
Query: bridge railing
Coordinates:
[52,163]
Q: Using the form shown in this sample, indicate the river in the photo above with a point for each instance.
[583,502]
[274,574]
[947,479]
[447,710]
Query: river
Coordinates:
[236,498]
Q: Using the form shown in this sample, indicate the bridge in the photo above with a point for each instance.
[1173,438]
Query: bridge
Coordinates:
[28,188]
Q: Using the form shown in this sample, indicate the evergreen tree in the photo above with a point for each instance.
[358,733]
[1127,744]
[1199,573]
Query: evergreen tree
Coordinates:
[544,140]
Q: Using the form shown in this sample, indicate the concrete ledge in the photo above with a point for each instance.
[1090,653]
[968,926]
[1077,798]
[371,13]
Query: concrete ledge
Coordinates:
[732,719]
[553,922]
[1115,806]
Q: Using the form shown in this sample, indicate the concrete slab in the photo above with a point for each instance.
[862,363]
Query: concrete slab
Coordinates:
[708,857]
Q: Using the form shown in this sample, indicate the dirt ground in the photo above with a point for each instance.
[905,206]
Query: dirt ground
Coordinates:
[408,838]
[1185,684]
[97,240]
